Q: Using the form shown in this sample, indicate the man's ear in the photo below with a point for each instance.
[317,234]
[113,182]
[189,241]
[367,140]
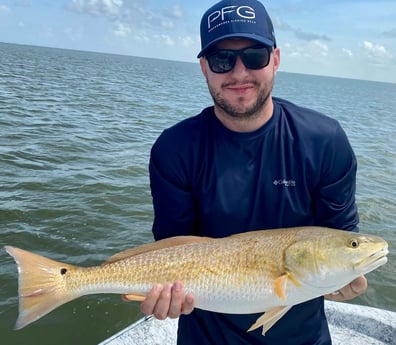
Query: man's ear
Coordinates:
[204,67]
[276,57]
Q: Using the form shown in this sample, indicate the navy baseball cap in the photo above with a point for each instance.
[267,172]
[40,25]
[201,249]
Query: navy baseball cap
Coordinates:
[236,19]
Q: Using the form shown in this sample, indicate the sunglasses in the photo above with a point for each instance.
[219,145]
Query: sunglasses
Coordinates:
[224,60]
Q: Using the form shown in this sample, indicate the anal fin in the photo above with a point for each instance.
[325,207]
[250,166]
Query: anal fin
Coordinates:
[269,319]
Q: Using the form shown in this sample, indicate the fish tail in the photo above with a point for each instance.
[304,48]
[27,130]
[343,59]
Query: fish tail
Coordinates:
[42,285]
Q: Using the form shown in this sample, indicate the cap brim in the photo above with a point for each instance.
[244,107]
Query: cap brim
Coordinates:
[252,37]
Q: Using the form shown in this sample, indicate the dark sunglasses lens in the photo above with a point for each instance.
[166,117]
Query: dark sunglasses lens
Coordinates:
[222,61]
[256,58]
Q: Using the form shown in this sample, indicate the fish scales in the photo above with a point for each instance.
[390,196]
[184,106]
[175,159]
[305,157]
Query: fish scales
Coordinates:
[204,268]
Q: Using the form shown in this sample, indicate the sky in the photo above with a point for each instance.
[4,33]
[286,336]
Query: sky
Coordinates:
[349,39]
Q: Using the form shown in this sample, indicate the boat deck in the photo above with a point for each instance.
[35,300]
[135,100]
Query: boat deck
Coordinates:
[349,324]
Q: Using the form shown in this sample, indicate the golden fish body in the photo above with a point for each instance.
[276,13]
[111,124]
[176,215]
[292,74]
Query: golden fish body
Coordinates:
[260,271]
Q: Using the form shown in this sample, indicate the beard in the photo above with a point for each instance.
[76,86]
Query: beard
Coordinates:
[247,112]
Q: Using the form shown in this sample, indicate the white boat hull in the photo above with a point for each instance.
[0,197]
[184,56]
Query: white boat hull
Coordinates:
[349,324]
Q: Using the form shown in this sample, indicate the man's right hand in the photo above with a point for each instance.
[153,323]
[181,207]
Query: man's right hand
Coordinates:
[167,301]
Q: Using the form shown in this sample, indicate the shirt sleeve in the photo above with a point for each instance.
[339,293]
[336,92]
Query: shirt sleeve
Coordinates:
[334,199]
[174,212]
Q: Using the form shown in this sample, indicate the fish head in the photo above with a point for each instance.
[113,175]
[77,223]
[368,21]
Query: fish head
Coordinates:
[329,259]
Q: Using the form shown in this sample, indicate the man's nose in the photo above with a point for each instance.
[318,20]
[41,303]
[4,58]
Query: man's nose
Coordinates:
[239,66]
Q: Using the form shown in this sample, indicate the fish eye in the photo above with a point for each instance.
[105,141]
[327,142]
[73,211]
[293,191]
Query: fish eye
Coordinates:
[354,243]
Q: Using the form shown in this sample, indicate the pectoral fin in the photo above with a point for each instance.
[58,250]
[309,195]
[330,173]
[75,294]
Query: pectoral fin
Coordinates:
[280,286]
[269,319]
[133,297]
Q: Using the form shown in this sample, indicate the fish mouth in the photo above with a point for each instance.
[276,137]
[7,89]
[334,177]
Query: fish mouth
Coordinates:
[373,261]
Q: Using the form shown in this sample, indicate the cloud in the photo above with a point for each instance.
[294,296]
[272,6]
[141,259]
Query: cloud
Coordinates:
[168,24]
[4,8]
[176,11]
[390,33]
[347,52]
[298,33]
[281,25]
[142,37]
[96,7]
[187,41]
[169,16]
[165,39]
[320,48]
[375,50]
[377,54]
[309,50]
[309,36]
[133,14]
[122,30]
[142,23]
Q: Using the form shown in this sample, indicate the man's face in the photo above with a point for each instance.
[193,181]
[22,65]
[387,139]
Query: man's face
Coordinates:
[241,93]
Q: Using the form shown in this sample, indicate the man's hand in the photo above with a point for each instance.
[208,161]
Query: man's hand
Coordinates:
[352,290]
[167,301]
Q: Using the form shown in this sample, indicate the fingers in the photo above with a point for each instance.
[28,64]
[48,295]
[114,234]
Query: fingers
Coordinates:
[148,306]
[352,290]
[188,305]
[162,306]
[359,286]
[336,296]
[176,303]
[167,301]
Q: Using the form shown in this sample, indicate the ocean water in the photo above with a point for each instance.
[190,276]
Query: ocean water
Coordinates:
[76,130]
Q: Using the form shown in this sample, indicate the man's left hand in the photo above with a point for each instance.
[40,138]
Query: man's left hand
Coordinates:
[352,290]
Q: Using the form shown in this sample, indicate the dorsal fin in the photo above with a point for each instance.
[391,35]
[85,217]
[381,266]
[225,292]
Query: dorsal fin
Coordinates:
[152,246]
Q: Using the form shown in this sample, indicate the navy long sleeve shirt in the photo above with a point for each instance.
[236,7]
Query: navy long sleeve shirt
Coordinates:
[297,170]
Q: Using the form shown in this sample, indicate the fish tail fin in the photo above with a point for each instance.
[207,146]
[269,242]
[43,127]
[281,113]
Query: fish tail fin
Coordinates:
[42,286]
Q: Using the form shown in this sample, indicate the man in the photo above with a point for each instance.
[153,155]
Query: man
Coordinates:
[250,162]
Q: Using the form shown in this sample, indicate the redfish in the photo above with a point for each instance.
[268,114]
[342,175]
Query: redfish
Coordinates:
[260,271]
